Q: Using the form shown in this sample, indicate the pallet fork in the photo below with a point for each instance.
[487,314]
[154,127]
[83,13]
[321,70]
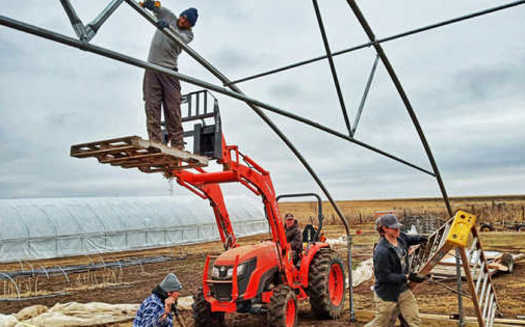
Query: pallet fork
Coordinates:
[149,157]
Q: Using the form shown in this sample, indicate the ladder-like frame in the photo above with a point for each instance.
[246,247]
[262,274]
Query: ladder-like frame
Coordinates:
[460,233]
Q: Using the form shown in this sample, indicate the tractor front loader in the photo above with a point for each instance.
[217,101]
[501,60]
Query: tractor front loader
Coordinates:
[259,278]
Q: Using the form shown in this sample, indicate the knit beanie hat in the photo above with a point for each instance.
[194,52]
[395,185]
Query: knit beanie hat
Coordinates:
[191,14]
[171,283]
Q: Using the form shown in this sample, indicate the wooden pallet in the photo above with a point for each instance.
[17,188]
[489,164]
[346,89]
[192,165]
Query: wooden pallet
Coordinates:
[135,152]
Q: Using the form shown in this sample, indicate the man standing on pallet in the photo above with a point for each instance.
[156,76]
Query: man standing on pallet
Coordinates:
[392,294]
[161,88]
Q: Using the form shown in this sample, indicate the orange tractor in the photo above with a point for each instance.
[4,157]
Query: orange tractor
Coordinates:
[259,278]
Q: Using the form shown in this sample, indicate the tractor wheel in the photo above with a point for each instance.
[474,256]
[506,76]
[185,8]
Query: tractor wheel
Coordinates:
[326,285]
[282,309]
[521,228]
[202,314]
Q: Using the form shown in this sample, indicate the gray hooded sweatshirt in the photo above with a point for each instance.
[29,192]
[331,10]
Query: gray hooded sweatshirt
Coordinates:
[164,51]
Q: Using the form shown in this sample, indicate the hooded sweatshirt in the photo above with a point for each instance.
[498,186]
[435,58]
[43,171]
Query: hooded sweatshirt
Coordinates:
[163,51]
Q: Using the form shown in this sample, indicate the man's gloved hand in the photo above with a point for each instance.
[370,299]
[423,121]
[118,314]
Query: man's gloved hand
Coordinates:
[162,24]
[148,4]
[424,239]
[417,278]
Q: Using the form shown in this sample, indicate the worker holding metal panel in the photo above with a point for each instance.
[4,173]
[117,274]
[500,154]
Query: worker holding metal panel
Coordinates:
[161,89]
[391,269]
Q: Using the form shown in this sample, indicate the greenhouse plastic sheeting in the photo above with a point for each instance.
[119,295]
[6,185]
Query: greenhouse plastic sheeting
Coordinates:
[49,228]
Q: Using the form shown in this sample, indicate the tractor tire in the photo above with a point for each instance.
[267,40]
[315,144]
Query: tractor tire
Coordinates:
[202,314]
[326,285]
[521,228]
[282,309]
[486,228]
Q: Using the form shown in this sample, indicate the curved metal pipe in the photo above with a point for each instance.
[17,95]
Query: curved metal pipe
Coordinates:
[320,216]
[332,66]
[385,39]
[397,83]
[64,273]
[139,63]
[14,283]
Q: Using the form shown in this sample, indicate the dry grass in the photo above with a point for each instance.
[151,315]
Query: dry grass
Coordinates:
[490,208]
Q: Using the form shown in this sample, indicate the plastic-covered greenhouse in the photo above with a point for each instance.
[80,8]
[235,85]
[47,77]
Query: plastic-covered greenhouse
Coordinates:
[48,228]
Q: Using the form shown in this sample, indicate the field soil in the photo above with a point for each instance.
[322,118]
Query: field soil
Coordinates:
[133,284]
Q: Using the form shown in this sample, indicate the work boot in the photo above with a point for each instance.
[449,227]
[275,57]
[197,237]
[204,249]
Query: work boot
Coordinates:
[177,145]
[155,143]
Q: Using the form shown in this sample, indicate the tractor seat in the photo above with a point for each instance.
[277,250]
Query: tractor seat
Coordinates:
[309,233]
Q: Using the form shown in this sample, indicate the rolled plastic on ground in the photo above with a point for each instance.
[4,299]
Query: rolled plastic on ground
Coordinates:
[71,314]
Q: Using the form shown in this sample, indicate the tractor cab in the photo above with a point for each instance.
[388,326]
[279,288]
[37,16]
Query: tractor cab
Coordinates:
[311,233]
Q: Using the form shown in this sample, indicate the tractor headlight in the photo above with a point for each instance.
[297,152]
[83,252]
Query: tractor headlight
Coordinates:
[241,270]
[226,272]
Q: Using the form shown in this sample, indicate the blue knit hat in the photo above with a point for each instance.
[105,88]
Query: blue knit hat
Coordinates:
[191,14]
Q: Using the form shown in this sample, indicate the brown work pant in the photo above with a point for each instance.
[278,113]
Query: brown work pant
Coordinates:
[387,312]
[162,89]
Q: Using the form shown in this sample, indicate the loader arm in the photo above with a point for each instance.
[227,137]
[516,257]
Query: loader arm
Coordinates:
[248,173]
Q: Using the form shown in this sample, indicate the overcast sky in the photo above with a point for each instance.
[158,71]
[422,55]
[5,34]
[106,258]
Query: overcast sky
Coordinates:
[466,83]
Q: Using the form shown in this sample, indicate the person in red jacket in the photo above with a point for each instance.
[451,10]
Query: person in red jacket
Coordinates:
[294,236]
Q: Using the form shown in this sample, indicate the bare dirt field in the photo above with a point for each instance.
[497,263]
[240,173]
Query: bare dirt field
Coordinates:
[132,284]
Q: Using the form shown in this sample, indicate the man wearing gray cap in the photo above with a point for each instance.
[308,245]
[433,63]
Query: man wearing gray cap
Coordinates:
[155,310]
[391,270]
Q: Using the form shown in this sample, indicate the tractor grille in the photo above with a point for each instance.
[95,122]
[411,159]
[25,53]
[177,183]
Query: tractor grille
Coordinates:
[222,292]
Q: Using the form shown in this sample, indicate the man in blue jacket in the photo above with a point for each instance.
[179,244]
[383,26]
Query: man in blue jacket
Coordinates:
[391,270]
[155,310]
